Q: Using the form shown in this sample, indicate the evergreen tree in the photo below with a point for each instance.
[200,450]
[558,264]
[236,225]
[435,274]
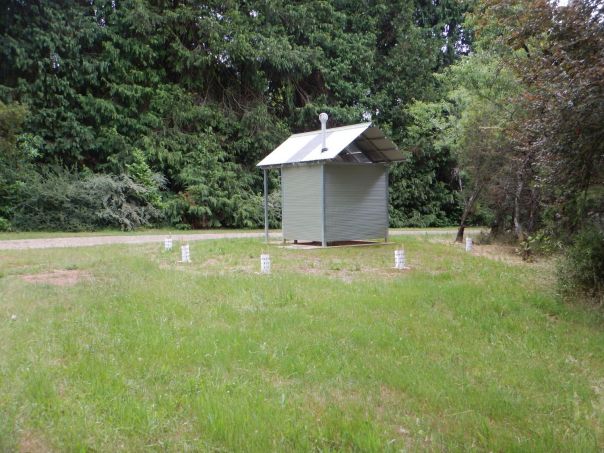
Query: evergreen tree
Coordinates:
[198,92]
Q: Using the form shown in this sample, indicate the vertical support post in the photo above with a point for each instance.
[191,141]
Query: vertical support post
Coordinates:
[265,206]
[387,196]
[323,239]
[282,205]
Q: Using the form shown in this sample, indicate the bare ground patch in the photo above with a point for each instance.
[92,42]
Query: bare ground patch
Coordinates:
[32,442]
[61,277]
[345,270]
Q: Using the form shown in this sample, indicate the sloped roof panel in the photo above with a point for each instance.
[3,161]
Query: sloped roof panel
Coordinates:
[306,147]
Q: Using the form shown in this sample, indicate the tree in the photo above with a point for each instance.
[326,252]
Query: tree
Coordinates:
[529,100]
[567,111]
[17,152]
[468,125]
[199,91]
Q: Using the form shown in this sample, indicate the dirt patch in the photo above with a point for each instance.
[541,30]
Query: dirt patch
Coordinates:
[31,442]
[57,277]
[505,253]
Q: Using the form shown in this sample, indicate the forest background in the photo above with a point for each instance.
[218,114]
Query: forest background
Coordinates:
[127,113]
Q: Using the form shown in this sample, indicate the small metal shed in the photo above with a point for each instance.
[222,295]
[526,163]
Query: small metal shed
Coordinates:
[334,183]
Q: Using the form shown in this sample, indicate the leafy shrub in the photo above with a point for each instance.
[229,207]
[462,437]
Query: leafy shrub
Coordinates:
[17,152]
[213,190]
[542,243]
[60,200]
[124,203]
[53,203]
[582,269]
[245,211]
[484,238]
[140,172]
[256,204]
[4,224]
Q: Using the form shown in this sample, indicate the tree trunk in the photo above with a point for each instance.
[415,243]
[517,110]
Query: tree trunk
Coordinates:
[466,212]
[518,228]
[533,216]
[498,226]
[460,231]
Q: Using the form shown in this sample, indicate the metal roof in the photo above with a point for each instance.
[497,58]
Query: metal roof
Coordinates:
[355,143]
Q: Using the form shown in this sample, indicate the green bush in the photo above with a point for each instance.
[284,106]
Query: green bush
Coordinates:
[140,172]
[543,243]
[245,211]
[256,204]
[60,200]
[17,154]
[582,269]
[4,224]
[124,203]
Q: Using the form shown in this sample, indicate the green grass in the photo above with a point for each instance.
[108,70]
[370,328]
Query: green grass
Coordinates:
[335,350]
[165,231]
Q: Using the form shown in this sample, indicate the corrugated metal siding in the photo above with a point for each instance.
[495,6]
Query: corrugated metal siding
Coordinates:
[301,192]
[355,202]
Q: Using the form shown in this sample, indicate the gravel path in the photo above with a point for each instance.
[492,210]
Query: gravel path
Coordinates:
[81,241]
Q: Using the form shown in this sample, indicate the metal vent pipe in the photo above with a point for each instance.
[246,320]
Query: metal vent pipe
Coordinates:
[323,118]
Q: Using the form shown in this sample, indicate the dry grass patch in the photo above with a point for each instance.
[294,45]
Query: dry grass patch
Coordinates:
[56,277]
[499,252]
[33,442]
[509,254]
[506,253]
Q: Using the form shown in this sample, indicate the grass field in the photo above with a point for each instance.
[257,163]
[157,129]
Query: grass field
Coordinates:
[124,349]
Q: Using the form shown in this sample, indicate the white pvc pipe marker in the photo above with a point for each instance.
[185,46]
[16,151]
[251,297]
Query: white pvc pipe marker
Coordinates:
[168,243]
[265,264]
[399,259]
[468,244]
[184,253]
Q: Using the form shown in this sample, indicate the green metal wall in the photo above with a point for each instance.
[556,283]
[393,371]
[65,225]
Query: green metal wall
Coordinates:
[301,189]
[356,203]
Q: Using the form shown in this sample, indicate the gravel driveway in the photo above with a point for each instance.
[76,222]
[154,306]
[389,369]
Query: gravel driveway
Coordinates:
[82,241]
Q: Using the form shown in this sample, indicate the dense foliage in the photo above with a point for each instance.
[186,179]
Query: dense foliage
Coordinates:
[72,202]
[524,116]
[557,137]
[186,96]
[582,270]
[17,152]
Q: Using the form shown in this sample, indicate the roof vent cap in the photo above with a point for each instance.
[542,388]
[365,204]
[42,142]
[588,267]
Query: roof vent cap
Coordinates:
[323,118]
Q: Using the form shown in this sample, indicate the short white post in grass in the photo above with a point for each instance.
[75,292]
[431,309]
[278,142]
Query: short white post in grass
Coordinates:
[468,244]
[265,263]
[399,259]
[168,243]
[184,253]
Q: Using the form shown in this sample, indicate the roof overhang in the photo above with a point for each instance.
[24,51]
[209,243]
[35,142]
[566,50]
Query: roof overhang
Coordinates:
[306,148]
